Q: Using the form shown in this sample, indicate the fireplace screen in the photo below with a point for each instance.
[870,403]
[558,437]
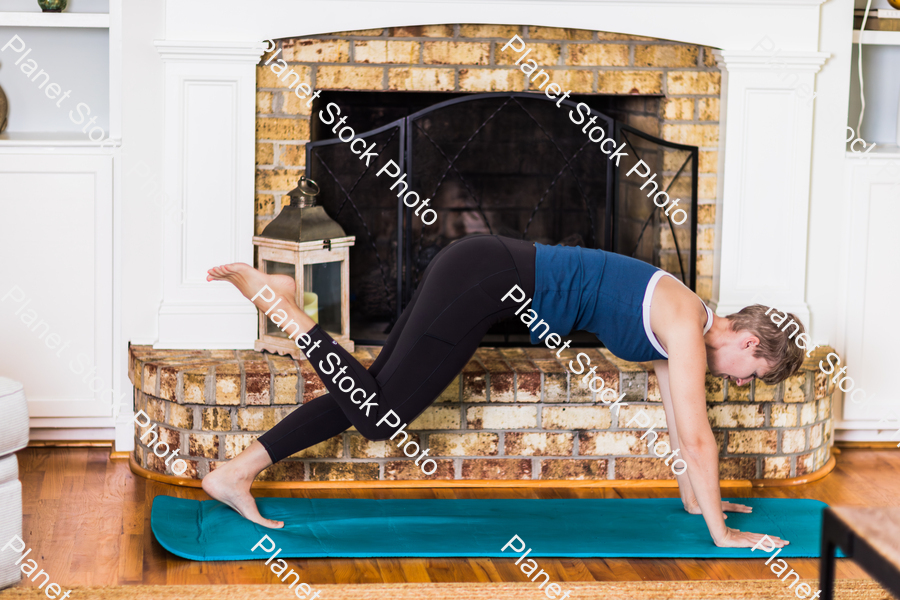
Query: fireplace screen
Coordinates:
[512,164]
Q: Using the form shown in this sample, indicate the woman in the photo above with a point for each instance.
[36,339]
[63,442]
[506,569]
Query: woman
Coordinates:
[639,312]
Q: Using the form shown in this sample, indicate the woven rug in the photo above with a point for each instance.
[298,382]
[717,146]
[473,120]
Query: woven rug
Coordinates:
[846,589]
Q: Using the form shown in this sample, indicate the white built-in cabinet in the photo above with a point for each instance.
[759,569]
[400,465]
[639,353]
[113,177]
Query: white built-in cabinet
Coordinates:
[58,211]
[56,240]
[867,295]
[868,282]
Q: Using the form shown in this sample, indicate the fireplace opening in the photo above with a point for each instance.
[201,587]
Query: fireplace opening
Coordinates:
[512,164]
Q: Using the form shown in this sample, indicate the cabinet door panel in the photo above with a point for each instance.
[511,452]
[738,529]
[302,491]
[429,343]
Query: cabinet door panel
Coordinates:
[56,282]
[873,286]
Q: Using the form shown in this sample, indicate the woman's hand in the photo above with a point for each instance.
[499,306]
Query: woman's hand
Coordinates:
[744,539]
[694,508]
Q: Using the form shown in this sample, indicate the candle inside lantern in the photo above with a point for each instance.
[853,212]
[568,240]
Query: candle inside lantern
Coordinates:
[311,305]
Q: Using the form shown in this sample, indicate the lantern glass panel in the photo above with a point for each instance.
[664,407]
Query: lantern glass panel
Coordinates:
[322,294]
[278,268]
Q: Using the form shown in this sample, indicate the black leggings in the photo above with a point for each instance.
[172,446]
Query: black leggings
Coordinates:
[457,301]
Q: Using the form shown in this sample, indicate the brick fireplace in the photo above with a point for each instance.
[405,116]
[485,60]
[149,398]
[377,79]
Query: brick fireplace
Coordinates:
[513,413]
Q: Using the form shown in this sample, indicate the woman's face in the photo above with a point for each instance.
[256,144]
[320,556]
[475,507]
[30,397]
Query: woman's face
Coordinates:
[737,362]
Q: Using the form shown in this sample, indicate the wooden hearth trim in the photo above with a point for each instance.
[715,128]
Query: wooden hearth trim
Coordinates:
[487,483]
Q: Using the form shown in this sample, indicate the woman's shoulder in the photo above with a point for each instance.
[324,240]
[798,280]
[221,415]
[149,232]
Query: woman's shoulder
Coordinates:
[674,302]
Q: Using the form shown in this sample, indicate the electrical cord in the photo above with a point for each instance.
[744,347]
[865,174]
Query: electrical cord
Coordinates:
[862,95]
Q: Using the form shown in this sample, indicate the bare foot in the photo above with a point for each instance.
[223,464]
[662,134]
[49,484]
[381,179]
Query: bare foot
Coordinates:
[250,281]
[229,486]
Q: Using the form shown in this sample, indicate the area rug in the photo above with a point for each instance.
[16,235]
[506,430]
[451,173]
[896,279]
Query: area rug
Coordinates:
[365,528]
[845,589]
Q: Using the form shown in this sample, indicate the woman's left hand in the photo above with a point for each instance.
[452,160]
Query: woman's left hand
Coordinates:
[732,507]
[694,508]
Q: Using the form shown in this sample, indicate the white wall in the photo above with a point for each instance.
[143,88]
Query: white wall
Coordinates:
[827,243]
[142,141]
[140,172]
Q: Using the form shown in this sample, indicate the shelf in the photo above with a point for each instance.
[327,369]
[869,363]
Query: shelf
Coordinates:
[42,19]
[884,151]
[53,139]
[879,38]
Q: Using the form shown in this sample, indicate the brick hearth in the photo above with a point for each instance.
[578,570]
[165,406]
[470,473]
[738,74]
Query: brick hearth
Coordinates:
[513,413]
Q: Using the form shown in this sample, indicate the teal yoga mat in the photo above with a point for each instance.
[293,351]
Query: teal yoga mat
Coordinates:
[646,528]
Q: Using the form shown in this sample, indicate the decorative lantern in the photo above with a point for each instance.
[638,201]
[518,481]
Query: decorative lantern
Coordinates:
[305,243]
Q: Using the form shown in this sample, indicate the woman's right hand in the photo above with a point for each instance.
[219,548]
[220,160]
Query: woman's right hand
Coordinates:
[734,538]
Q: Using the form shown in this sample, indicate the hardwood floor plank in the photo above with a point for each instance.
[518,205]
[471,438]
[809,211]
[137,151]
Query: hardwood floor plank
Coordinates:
[650,569]
[32,459]
[32,482]
[345,570]
[38,522]
[693,568]
[390,571]
[179,571]
[443,570]
[738,568]
[367,570]
[415,569]
[155,556]
[483,570]
[132,517]
[93,550]
[131,558]
[321,571]
[552,566]
[611,569]
[54,469]
[508,571]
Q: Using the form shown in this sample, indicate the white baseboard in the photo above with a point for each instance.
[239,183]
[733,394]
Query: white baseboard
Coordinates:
[75,433]
[865,435]
[63,423]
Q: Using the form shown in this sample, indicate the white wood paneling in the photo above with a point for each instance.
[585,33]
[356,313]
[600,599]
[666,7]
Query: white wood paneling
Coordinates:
[210,214]
[763,199]
[56,237]
[871,286]
[210,99]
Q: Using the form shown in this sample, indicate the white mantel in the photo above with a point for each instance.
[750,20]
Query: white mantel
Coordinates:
[727,24]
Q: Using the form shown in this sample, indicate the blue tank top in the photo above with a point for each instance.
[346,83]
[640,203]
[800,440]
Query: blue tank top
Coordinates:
[599,292]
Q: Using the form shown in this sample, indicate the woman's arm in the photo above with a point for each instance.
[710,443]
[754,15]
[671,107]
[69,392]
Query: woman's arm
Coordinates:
[687,376]
[661,368]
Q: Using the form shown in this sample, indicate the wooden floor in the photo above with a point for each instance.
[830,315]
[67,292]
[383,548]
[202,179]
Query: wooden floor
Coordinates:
[88,520]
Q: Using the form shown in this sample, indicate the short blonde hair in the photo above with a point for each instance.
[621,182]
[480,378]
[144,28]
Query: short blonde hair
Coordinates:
[775,345]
